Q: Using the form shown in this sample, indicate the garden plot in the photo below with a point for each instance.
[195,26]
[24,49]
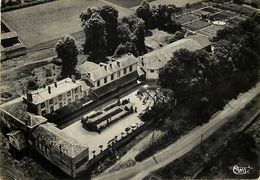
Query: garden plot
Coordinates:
[211,10]
[185,18]
[196,25]
[222,16]
[211,30]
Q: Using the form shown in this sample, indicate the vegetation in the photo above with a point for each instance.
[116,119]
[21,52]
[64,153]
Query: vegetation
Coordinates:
[67,50]
[159,17]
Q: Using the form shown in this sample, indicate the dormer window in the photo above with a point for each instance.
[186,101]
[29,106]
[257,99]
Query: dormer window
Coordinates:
[105,80]
[98,83]
[118,74]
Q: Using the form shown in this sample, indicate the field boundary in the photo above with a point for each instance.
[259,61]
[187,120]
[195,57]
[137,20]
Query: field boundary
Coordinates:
[25,5]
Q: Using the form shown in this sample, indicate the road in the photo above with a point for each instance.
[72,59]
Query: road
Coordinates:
[185,143]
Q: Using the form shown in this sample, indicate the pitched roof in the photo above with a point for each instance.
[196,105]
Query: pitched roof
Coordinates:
[19,110]
[158,58]
[63,86]
[53,137]
[96,72]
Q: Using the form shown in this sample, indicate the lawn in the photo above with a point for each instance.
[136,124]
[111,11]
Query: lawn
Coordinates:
[196,25]
[45,22]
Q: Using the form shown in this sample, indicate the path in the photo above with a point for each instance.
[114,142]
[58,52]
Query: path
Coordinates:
[139,147]
[185,143]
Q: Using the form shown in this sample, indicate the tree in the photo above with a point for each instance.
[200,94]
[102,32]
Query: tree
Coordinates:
[123,48]
[95,33]
[86,15]
[67,50]
[175,126]
[144,12]
[109,14]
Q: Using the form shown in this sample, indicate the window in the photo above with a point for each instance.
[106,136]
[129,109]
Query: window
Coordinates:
[76,97]
[60,105]
[51,109]
[152,71]
[76,90]
[51,101]
[60,97]
[131,68]
[105,80]
[112,77]
[98,83]
[42,105]
[124,70]
[118,74]
[68,93]
[69,100]
[43,112]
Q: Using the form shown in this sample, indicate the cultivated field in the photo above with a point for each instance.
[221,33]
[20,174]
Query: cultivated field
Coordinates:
[45,22]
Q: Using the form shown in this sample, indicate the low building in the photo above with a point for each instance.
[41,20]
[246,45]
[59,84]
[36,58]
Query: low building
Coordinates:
[11,46]
[55,96]
[111,76]
[61,149]
[152,62]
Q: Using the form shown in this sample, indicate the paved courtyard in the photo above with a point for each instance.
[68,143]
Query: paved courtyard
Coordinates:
[93,140]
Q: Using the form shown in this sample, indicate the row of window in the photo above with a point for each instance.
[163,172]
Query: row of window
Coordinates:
[113,75]
[60,98]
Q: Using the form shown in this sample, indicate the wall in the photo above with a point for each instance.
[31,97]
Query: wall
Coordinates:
[134,68]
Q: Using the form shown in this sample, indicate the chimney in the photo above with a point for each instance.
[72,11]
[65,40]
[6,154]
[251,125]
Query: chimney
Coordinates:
[49,89]
[113,59]
[29,97]
[55,84]
[44,85]
[73,78]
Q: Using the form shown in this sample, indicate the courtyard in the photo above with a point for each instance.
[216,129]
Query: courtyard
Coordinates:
[93,140]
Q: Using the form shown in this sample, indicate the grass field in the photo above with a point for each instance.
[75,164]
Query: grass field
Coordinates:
[45,22]
[185,18]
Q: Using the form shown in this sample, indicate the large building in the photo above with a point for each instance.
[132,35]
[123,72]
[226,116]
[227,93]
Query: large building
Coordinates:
[111,76]
[55,96]
[152,62]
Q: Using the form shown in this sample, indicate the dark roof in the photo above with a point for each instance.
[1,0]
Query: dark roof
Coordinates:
[53,137]
[19,110]
[115,84]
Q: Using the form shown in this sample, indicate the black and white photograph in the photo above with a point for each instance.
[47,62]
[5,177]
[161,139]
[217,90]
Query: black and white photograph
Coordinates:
[130,89]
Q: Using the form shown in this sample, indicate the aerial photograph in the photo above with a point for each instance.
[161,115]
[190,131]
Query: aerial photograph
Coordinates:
[130,89]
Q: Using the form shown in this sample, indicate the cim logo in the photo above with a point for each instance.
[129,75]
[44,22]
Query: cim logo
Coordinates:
[241,170]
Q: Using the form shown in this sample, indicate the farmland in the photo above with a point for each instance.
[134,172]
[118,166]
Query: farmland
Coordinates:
[38,24]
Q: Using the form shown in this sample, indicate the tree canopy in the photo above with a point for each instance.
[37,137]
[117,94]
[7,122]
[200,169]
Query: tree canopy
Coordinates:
[67,50]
